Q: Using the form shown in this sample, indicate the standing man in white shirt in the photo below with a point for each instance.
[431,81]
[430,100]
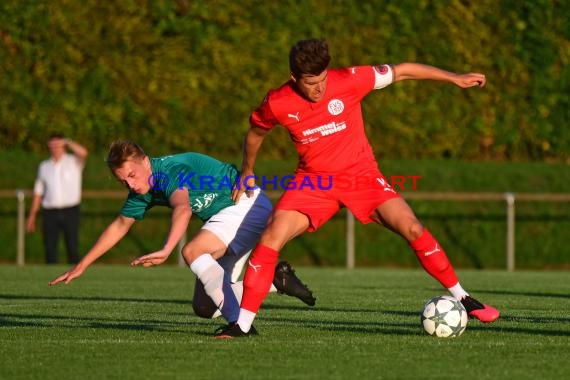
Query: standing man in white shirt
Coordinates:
[58,190]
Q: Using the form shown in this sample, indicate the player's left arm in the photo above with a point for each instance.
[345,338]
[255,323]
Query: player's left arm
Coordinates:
[180,217]
[417,71]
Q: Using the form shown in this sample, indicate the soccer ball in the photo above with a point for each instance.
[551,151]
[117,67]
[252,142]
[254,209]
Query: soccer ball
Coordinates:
[444,317]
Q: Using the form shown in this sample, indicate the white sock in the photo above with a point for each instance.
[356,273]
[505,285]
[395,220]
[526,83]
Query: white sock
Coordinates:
[202,263]
[458,292]
[216,314]
[212,276]
[245,319]
[238,267]
[237,287]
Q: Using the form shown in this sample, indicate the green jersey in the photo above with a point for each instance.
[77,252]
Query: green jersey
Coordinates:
[209,183]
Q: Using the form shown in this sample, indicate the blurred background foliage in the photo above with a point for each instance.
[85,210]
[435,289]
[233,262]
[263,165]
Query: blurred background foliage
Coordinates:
[184,75]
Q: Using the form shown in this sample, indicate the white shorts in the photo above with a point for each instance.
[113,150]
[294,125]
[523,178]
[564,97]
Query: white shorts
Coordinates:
[239,226]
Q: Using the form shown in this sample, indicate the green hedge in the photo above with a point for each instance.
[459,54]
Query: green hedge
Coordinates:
[186,74]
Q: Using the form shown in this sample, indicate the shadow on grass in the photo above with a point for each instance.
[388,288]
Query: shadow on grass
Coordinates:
[520,330]
[413,328]
[367,327]
[271,306]
[507,323]
[75,322]
[78,322]
[525,293]
[340,319]
[476,292]
[94,299]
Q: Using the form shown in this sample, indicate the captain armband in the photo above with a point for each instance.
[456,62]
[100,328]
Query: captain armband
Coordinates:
[383,75]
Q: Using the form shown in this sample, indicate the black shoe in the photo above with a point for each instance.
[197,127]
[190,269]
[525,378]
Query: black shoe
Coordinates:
[286,282]
[232,330]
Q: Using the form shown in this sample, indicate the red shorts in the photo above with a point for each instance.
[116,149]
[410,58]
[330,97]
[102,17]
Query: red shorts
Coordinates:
[319,197]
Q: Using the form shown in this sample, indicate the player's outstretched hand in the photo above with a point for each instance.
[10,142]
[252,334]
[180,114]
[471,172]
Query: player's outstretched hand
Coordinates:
[244,187]
[68,276]
[236,194]
[470,80]
[155,258]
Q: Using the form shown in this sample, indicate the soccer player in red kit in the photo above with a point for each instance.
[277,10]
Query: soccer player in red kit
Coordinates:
[321,110]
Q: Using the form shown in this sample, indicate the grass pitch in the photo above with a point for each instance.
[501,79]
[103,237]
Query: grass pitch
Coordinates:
[118,322]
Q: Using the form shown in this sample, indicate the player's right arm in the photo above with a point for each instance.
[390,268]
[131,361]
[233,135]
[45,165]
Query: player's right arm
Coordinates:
[111,236]
[252,143]
[38,192]
[31,222]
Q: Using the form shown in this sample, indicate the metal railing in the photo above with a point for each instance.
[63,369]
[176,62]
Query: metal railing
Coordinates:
[510,200]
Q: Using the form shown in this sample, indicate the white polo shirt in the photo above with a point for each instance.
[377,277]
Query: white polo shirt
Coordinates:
[59,182]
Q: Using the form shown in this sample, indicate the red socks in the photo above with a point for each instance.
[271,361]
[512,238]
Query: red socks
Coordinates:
[433,259]
[261,269]
[258,277]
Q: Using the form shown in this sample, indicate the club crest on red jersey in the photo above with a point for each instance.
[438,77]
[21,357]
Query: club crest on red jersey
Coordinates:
[336,107]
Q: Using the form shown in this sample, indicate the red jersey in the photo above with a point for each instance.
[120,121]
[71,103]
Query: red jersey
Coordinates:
[329,134]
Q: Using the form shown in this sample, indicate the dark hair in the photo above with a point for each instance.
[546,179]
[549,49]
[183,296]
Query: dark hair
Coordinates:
[309,57]
[56,135]
[122,151]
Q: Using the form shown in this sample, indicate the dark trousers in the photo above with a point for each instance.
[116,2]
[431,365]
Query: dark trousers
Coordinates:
[64,220]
